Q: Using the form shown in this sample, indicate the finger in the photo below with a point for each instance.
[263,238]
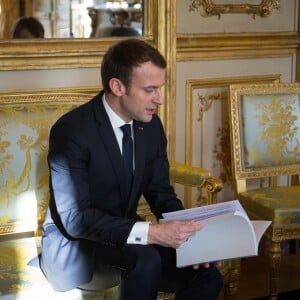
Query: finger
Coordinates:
[218,264]
[193,227]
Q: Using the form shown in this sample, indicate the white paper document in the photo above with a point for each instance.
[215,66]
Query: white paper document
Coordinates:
[228,233]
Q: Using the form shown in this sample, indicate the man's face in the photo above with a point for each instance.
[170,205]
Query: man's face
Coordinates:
[144,95]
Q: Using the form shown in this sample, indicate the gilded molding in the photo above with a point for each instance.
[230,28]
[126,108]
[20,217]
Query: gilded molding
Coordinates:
[192,47]
[166,43]
[208,8]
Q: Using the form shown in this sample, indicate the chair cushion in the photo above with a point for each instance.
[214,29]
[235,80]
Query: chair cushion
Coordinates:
[278,204]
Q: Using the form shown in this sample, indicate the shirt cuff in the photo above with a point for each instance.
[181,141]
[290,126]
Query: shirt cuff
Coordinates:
[139,233]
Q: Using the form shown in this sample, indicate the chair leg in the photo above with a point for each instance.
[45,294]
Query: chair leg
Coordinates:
[275,261]
[231,286]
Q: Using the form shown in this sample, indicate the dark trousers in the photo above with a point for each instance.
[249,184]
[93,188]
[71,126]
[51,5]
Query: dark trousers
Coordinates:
[149,269]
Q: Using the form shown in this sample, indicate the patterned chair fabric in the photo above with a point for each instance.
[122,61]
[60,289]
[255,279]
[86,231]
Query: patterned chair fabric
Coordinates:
[269,203]
[25,120]
[24,131]
[265,143]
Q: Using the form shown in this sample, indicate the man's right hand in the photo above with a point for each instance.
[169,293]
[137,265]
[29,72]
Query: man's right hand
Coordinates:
[172,233]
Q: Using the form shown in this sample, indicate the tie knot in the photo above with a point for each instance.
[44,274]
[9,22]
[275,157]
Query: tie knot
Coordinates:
[126,129]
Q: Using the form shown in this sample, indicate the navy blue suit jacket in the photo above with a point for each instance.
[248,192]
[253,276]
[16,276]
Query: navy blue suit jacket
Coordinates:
[87,186]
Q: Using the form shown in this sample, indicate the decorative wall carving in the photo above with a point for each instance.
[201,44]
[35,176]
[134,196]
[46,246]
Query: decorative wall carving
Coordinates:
[205,103]
[209,8]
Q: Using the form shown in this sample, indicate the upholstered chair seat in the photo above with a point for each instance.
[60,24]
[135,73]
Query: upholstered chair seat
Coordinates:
[279,204]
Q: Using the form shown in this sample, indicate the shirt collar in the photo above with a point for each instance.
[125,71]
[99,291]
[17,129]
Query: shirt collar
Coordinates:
[115,120]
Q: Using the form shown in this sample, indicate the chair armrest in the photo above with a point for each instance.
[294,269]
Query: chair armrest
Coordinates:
[196,177]
[188,176]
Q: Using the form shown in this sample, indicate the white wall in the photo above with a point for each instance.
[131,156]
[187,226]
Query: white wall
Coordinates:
[34,79]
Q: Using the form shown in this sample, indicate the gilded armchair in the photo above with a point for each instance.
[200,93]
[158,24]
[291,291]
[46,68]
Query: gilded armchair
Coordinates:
[265,143]
[25,120]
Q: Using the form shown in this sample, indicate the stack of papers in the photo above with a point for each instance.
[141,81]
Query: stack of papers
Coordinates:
[227,233]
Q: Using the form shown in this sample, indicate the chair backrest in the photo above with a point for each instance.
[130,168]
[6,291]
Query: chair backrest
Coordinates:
[265,130]
[25,120]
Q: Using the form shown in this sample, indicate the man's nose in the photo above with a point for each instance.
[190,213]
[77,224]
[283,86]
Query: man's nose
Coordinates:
[158,99]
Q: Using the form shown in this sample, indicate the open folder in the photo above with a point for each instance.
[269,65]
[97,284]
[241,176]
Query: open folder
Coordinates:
[228,233]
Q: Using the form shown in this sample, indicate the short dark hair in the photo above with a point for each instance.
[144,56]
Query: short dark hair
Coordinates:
[32,25]
[121,58]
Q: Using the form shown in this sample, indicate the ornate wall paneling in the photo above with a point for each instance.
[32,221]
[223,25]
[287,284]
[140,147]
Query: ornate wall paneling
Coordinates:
[206,128]
[236,16]
[211,36]
[236,29]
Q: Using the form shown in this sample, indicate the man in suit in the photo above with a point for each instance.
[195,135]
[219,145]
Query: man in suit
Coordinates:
[92,217]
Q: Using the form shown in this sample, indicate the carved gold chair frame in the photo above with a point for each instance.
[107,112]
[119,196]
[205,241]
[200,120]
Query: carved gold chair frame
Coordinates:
[265,147]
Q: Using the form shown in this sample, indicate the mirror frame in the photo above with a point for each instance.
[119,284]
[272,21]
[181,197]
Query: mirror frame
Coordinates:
[68,53]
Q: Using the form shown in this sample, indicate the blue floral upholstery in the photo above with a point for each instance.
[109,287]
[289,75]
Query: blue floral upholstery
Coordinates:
[273,137]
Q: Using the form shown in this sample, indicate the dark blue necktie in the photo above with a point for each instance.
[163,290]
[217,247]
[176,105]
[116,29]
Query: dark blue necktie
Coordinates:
[127,152]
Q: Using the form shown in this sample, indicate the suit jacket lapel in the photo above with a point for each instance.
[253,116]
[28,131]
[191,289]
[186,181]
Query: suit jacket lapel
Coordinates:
[112,148]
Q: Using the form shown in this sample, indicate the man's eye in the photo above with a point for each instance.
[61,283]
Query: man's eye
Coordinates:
[149,90]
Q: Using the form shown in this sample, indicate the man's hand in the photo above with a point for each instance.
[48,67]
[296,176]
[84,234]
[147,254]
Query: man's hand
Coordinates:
[172,233]
[218,264]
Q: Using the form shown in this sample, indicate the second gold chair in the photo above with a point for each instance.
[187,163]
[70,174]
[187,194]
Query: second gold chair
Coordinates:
[265,145]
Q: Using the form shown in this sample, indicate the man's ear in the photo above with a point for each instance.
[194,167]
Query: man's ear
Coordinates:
[117,87]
